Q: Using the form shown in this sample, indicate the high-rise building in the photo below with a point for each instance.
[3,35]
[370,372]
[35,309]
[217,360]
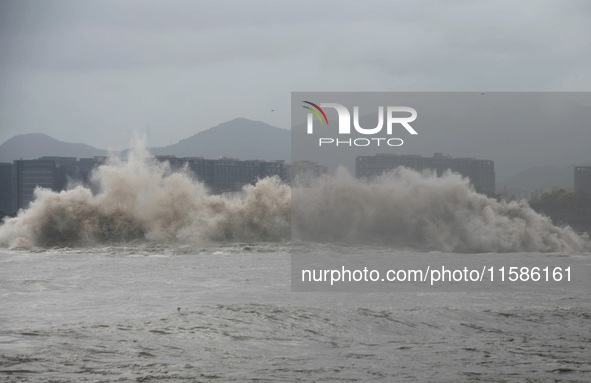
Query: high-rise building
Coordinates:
[231,174]
[7,189]
[583,180]
[303,171]
[48,172]
[86,166]
[19,180]
[226,174]
[31,174]
[480,172]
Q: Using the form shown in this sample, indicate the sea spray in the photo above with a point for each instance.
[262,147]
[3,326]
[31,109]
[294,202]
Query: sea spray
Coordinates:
[140,198]
[422,211]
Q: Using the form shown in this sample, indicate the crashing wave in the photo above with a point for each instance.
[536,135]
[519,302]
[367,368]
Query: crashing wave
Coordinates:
[140,198]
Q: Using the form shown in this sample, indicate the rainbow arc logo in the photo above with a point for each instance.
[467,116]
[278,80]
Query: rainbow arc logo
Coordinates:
[318,112]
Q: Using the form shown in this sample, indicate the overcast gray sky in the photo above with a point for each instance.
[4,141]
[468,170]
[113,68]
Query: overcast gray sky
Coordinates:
[93,71]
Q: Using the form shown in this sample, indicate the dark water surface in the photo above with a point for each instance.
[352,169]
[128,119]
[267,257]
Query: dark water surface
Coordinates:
[164,313]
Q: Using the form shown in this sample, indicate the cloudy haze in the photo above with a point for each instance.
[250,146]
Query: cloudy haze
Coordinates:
[92,72]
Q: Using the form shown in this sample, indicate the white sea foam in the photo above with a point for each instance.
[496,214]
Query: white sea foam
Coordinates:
[421,210]
[139,198]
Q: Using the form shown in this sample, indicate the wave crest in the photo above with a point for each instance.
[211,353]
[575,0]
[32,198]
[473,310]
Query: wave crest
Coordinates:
[421,210]
[140,198]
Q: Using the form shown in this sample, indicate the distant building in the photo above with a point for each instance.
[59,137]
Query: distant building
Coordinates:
[67,169]
[86,166]
[19,180]
[7,189]
[583,180]
[480,172]
[48,172]
[227,174]
[65,162]
[303,171]
[36,173]
[231,174]
[204,170]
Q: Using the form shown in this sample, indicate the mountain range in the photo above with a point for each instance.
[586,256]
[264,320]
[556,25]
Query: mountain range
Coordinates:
[245,139]
[34,145]
[239,138]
